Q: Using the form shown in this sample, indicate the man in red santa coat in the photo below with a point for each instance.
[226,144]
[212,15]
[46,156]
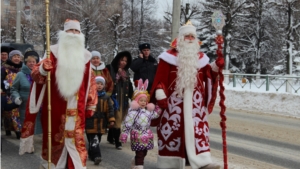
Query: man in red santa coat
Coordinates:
[185,87]
[73,98]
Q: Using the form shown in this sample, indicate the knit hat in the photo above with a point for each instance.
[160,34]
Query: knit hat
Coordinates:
[100,79]
[144,46]
[33,54]
[15,52]
[96,54]
[186,29]
[71,24]
[141,91]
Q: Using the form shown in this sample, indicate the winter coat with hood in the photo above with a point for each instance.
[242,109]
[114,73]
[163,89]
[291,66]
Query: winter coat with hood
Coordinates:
[123,89]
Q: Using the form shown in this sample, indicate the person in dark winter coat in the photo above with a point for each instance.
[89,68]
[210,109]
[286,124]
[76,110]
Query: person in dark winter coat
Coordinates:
[8,74]
[96,125]
[144,66]
[122,92]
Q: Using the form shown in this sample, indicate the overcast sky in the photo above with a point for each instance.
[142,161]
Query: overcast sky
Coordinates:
[165,4]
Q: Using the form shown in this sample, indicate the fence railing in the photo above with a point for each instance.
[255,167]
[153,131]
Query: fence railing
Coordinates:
[258,82]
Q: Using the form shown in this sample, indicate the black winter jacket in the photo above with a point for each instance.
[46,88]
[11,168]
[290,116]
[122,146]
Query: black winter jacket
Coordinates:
[144,69]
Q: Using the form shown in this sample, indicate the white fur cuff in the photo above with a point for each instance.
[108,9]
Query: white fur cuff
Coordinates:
[42,71]
[26,145]
[214,67]
[160,94]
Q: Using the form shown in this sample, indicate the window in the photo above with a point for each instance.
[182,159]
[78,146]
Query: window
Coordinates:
[6,2]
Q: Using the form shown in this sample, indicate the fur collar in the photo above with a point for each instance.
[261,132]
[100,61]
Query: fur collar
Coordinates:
[172,59]
[100,67]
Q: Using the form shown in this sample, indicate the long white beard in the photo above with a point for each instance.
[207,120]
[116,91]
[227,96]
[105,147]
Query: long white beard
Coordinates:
[70,63]
[187,65]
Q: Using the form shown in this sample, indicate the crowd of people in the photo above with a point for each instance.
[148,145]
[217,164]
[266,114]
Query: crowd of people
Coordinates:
[96,99]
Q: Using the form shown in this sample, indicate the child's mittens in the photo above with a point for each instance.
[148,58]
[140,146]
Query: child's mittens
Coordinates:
[134,105]
[123,137]
[150,107]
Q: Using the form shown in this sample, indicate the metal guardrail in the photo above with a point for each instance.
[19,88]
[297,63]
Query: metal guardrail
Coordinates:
[258,82]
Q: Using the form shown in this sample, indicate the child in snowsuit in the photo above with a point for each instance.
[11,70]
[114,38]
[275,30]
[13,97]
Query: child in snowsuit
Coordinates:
[97,124]
[137,124]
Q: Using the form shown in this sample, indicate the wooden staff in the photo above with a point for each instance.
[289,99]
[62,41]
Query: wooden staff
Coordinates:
[48,83]
[218,21]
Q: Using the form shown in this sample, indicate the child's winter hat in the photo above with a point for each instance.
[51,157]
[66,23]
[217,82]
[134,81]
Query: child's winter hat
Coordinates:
[100,79]
[141,91]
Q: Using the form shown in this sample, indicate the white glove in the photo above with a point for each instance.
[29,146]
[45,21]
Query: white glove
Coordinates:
[160,94]
[18,101]
[6,84]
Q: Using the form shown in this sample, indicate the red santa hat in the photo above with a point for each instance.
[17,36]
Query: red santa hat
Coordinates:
[72,24]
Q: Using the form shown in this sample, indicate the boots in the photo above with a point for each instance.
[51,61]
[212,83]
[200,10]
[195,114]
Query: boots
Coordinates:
[139,167]
[8,133]
[18,135]
[211,166]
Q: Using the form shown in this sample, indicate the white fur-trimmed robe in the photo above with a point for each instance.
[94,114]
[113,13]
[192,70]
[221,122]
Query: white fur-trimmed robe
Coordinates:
[182,128]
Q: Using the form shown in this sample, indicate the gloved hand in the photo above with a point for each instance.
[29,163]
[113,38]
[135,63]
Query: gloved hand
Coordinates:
[220,62]
[18,101]
[47,64]
[161,98]
[123,137]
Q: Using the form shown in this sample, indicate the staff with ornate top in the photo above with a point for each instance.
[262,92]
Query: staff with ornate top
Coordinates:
[48,83]
[218,21]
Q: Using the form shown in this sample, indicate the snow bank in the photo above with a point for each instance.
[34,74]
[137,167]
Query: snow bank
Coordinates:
[265,102]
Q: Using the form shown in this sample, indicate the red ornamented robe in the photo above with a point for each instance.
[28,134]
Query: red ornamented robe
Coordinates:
[67,117]
[182,127]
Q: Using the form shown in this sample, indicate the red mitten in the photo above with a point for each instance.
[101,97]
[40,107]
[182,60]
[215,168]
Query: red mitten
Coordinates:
[163,103]
[89,113]
[220,62]
[47,64]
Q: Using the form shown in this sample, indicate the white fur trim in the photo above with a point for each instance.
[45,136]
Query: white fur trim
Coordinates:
[167,162]
[100,67]
[209,86]
[186,30]
[72,24]
[33,106]
[202,159]
[26,145]
[214,67]
[42,71]
[160,94]
[171,59]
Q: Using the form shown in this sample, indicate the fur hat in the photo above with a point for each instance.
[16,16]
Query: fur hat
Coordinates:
[186,29]
[71,24]
[6,49]
[96,54]
[15,52]
[100,79]
[144,46]
[33,54]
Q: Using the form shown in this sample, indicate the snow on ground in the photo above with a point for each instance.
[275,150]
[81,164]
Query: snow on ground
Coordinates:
[280,103]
